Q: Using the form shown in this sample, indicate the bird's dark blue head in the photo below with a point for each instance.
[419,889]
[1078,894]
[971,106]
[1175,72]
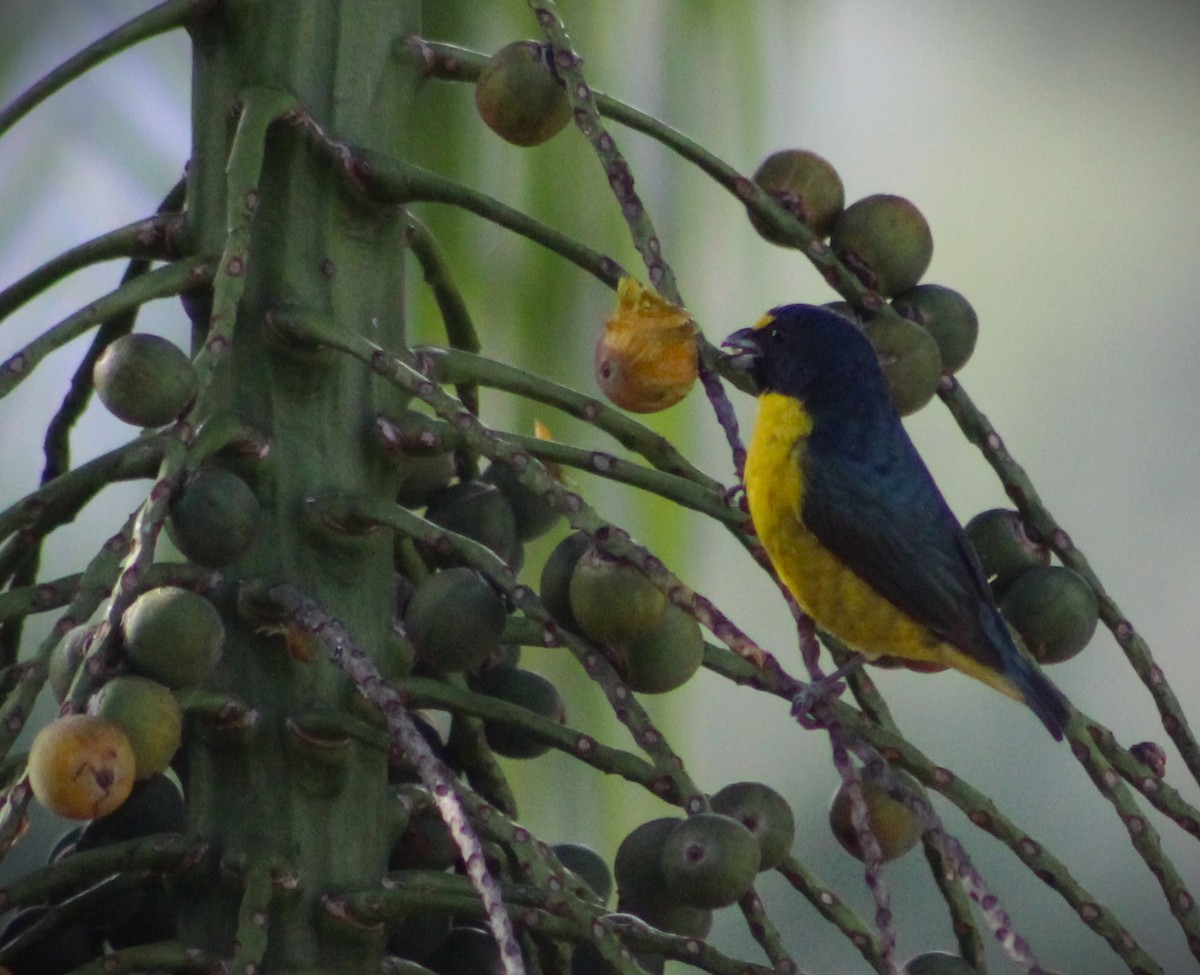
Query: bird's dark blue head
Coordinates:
[811,353]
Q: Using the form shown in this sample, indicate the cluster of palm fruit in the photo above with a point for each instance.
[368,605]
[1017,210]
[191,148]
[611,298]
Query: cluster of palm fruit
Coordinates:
[107,760]
[886,242]
[1051,607]
[84,765]
[121,912]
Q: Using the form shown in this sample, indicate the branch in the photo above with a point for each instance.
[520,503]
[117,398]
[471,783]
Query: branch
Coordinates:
[304,613]
[440,436]
[158,20]
[456,317]
[979,431]
[981,811]
[58,501]
[161,283]
[453,366]
[155,238]
[261,108]
[386,179]
[670,781]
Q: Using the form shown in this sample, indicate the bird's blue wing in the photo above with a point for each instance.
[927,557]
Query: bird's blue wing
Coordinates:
[870,500]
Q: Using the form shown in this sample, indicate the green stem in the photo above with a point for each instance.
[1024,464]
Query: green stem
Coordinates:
[616,169]
[47,596]
[833,909]
[57,445]
[161,283]
[157,853]
[57,502]
[670,486]
[158,20]
[424,692]
[452,366]
[354,514]
[162,956]
[386,179]
[302,612]
[979,431]
[154,238]
[254,915]
[97,582]
[261,108]
[978,808]
[456,317]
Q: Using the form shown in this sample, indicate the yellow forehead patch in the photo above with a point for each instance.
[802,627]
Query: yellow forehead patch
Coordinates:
[764,321]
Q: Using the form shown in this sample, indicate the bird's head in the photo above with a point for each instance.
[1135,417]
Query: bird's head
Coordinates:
[801,350]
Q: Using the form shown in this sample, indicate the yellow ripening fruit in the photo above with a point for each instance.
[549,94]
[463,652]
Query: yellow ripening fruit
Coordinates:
[81,766]
[646,355]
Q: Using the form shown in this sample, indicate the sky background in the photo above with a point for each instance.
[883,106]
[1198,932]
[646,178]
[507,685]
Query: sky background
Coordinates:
[1054,150]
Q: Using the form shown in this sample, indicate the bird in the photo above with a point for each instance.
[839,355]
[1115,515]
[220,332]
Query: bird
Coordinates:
[851,517]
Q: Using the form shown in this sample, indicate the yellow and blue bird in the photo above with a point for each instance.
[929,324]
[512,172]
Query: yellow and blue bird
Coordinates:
[852,519]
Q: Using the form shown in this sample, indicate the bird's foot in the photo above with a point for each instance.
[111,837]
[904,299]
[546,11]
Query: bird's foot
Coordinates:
[808,705]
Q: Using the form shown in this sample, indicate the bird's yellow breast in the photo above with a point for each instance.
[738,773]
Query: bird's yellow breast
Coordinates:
[826,589]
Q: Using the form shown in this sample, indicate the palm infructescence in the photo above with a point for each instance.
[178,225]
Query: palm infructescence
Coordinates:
[286,679]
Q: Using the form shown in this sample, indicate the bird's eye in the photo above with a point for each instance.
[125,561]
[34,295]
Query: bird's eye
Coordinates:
[776,336]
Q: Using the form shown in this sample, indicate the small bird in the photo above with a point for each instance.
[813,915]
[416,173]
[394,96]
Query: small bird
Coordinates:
[852,519]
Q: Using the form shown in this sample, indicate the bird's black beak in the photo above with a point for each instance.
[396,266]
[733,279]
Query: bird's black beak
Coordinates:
[742,359]
[743,340]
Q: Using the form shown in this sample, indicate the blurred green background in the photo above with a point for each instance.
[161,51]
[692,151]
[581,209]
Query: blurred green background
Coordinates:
[1054,149]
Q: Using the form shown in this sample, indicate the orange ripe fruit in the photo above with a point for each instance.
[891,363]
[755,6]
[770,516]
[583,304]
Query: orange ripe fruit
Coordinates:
[646,356]
[81,766]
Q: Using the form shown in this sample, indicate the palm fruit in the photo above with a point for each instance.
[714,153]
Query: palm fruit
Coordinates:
[646,357]
[586,959]
[81,766]
[1053,609]
[423,478]
[148,714]
[519,96]
[144,380]
[885,241]
[709,860]
[846,311]
[426,844]
[765,813]
[417,934]
[947,316]
[533,514]
[173,635]
[588,865]
[527,690]
[479,511]
[663,658]
[1003,545]
[466,951]
[938,963]
[909,358]
[65,659]
[155,805]
[214,517]
[895,826]
[805,185]
[454,620]
[555,584]
[611,600]
[642,887]
[156,920]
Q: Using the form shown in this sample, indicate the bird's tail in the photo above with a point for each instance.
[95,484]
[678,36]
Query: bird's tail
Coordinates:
[1036,690]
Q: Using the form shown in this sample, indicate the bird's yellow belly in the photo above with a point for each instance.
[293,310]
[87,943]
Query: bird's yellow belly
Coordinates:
[838,600]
